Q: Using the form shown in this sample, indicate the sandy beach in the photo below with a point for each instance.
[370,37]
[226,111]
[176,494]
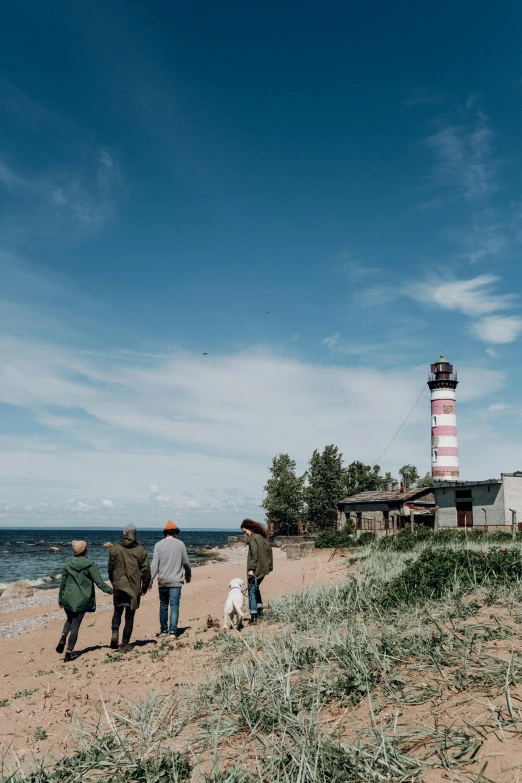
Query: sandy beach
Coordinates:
[39,690]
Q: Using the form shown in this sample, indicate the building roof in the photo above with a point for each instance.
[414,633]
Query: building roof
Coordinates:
[387,495]
[441,360]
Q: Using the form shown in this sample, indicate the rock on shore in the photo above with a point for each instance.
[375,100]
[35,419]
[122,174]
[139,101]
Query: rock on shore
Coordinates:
[16,590]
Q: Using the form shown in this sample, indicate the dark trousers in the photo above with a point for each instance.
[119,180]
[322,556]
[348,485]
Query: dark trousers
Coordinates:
[71,627]
[129,621]
[255,602]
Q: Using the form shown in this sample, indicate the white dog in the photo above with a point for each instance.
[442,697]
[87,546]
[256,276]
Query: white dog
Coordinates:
[234,605]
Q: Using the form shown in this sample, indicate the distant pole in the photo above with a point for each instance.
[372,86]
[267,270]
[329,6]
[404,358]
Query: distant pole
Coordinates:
[513,524]
[485,520]
[412,520]
[436,520]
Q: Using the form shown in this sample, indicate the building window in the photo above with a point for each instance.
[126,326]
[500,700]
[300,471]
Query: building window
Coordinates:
[435,455]
[434,421]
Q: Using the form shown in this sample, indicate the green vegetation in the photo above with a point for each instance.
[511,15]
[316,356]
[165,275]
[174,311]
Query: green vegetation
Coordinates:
[283,501]
[313,497]
[326,487]
[4,702]
[25,693]
[40,734]
[330,693]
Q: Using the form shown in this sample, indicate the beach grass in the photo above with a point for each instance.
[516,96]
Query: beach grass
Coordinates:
[360,681]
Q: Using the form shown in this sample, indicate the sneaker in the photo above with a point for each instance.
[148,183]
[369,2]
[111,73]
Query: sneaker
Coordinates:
[253,619]
[125,648]
[69,656]
[161,633]
[173,633]
[115,640]
[60,647]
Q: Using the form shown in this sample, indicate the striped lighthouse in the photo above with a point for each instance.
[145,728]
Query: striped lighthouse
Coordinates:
[444,445]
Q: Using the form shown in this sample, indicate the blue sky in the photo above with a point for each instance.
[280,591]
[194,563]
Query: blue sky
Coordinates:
[320,197]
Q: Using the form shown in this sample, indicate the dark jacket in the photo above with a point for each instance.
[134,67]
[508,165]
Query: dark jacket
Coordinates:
[77,588]
[260,559]
[129,571]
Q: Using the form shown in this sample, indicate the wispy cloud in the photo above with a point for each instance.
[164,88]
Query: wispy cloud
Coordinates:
[476,298]
[70,201]
[464,159]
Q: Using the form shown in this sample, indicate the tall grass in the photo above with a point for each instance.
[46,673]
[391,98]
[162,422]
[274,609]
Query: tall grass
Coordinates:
[272,707]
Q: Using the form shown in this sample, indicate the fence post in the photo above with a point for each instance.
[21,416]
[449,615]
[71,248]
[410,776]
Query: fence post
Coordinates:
[485,521]
[412,520]
[436,520]
[513,523]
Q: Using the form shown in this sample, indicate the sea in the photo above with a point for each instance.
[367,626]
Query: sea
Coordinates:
[24,554]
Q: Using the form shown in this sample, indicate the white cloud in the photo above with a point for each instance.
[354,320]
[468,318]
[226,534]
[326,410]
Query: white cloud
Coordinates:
[498,329]
[157,496]
[144,426]
[106,503]
[332,340]
[475,297]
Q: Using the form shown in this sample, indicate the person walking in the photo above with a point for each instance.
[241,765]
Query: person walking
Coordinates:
[129,573]
[259,564]
[171,565]
[77,595]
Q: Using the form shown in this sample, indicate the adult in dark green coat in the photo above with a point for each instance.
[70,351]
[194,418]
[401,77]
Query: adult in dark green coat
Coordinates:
[77,594]
[129,572]
[259,564]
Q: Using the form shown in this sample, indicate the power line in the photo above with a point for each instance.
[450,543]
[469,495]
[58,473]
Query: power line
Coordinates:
[402,425]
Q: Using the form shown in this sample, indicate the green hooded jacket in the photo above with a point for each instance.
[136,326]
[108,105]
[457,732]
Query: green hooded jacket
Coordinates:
[129,571]
[260,559]
[77,588]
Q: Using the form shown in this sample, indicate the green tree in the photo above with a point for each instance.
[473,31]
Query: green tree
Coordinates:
[365,478]
[426,481]
[326,487]
[283,501]
[409,475]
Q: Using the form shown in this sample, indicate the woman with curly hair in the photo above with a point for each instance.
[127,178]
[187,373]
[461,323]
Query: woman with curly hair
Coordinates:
[259,564]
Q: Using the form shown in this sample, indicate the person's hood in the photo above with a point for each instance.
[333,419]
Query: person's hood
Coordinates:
[79,563]
[129,540]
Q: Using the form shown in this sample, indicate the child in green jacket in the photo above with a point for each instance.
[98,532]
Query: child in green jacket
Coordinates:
[76,594]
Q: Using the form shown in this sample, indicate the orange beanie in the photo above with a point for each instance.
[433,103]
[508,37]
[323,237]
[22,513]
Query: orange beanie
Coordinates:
[171,526]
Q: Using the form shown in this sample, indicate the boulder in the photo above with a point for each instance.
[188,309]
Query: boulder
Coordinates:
[16,590]
[294,552]
[232,540]
[107,544]
[40,543]
[54,549]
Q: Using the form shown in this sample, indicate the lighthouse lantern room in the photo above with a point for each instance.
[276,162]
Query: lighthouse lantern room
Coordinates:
[443,381]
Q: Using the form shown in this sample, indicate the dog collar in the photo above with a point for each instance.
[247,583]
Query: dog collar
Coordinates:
[235,587]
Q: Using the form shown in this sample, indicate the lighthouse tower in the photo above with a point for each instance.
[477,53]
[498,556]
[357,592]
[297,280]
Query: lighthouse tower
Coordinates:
[444,445]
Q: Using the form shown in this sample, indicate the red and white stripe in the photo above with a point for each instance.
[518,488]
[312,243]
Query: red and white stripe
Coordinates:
[444,443]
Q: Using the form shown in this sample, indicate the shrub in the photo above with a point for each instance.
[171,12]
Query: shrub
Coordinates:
[405,541]
[329,539]
[433,573]
[365,539]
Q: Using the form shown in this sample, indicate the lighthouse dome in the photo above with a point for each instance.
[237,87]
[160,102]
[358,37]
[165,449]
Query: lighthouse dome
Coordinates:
[441,360]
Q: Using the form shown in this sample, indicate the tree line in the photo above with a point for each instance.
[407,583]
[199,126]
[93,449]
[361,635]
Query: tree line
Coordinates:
[311,499]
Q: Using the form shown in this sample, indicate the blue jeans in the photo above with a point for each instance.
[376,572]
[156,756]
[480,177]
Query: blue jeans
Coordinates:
[169,595]
[255,602]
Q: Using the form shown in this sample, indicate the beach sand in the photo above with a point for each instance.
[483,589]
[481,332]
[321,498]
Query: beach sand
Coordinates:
[54,694]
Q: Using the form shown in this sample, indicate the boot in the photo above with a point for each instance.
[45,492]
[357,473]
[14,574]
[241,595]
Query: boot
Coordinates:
[125,647]
[69,656]
[115,643]
[60,647]
[253,619]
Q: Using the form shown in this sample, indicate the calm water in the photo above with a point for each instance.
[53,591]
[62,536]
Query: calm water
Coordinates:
[22,557]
